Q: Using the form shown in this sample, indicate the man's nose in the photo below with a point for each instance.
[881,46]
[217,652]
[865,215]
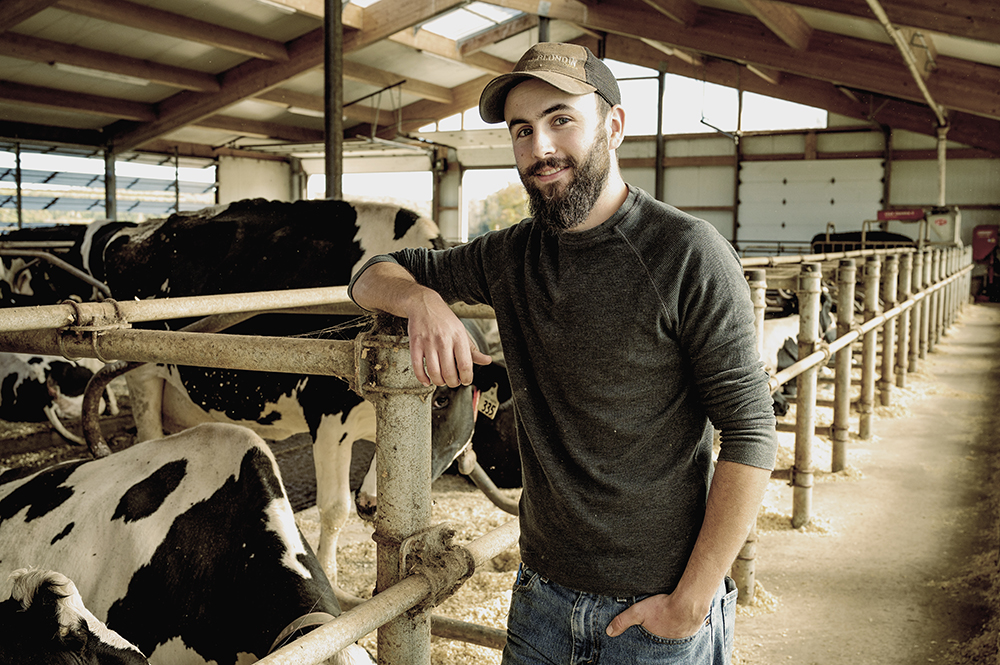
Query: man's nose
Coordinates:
[542,146]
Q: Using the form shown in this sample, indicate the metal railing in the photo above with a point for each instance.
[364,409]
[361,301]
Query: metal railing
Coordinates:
[912,302]
[417,564]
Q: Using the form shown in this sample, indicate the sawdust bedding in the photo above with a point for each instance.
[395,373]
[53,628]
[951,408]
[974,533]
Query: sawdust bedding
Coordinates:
[485,598]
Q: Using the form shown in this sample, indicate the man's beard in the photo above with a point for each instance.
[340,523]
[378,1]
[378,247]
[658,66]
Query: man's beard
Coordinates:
[563,211]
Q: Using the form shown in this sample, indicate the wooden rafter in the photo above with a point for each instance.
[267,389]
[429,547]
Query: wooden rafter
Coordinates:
[515,26]
[147,18]
[424,40]
[968,129]
[15,45]
[681,11]
[77,101]
[261,129]
[973,19]
[783,21]
[854,62]
[17,11]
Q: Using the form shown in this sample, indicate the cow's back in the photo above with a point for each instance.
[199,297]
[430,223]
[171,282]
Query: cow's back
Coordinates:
[258,245]
[184,543]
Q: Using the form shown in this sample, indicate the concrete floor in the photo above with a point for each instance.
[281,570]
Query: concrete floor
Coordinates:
[909,554]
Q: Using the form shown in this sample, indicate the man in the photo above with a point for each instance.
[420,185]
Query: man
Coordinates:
[627,329]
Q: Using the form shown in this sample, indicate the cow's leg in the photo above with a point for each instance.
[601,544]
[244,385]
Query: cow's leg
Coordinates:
[332,455]
[365,500]
[145,388]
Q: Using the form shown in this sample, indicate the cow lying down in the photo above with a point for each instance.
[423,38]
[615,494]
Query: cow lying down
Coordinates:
[186,546]
[44,622]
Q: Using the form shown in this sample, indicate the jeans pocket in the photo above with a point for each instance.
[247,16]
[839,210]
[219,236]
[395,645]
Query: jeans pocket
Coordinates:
[525,578]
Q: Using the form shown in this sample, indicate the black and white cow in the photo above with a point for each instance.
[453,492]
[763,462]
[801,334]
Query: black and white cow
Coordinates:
[259,245]
[44,622]
[187,546]
[37,388]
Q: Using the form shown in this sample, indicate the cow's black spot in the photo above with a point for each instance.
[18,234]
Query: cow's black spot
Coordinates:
[405,219]
[72,379]
[62,534]
[23,403]
[146,496]
[40,495]
[217,566]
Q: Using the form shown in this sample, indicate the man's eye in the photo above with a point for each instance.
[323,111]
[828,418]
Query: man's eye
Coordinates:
[523,132]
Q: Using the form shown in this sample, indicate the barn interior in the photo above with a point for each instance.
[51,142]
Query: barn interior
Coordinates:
[287,100]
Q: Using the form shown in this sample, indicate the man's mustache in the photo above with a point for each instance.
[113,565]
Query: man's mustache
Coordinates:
[550,163]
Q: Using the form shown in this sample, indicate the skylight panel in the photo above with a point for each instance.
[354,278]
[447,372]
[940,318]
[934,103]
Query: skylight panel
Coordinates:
[469,20]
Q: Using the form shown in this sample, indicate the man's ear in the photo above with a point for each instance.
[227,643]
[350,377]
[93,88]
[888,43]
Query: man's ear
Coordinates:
[616,132]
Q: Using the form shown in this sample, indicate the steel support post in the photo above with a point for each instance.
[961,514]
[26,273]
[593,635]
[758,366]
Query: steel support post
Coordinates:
[890,280]
[808,292]
[933,331]
[866,405]
[925,311]
[905,292]
[846,278]
[744,569]
[916,284]
[403,463]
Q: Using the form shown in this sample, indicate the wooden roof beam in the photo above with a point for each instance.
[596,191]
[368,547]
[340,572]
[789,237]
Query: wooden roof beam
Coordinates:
[690,58]
[381,19]
[681,11]
[15,45]
[424,40]
[18,11]
[972,19]
[147,18]
[76,101]
[514,26]
[783,21]
[260,129]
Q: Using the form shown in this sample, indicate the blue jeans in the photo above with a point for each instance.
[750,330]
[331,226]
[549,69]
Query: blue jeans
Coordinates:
[549,624]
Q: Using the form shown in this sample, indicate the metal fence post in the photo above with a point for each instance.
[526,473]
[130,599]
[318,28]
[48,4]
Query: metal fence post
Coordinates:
[866,405]
[810,276]
[925,311]
[916,284]
[846,279]
[890,278]
[905,291]
[933,330]
[744,569]
[403,463]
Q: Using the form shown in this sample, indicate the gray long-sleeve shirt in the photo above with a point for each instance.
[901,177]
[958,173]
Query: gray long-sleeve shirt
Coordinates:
[622,343]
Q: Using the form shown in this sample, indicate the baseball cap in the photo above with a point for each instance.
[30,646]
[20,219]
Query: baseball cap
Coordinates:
[570,67]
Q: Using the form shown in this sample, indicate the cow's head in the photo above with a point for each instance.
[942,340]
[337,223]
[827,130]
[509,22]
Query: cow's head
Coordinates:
[45,621]
[453,414]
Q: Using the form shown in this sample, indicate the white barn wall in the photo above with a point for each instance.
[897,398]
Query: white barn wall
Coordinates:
[254,178]
[792,183]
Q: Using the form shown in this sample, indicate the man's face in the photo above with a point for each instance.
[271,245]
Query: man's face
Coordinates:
[561,151]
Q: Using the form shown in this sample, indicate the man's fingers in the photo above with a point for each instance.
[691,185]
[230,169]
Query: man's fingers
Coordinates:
[622,622]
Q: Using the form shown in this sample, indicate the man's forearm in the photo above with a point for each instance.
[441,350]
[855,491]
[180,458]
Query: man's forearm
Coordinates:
[733,502]
[386,287]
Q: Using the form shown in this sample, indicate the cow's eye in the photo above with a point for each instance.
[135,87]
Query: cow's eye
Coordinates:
[440,401]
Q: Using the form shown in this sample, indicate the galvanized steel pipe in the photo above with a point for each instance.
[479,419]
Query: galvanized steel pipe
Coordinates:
[809,290]
[325,641]
[890,282]
[905,291]
[134,311]
[866,405]
[744,568]
[846,280]
[265,354]
[915,313]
